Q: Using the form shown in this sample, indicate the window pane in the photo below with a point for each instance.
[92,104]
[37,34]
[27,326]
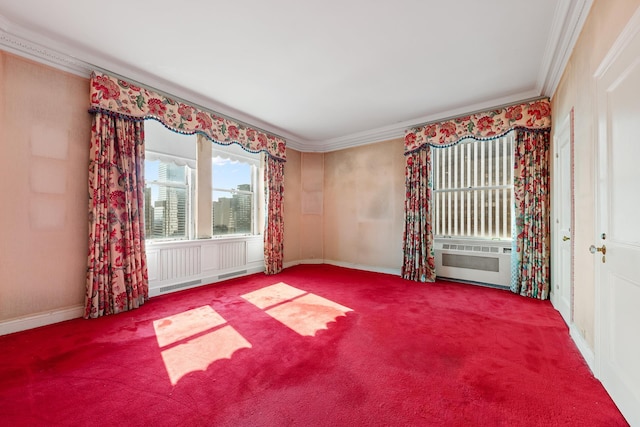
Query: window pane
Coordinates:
[231,174]
[166,198]
[165,212]
[157,170]
[232,213]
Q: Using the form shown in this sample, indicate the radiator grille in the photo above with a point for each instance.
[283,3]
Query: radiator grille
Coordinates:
[235,273]
[232,255]
[179,286]
[471,262]
[179,262]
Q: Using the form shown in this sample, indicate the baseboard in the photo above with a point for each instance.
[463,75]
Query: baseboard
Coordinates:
[374,269]
[364,267]
[41,319]
[583,347]
[302,261]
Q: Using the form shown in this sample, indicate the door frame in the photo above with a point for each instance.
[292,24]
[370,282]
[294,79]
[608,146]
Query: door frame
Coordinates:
[567,125]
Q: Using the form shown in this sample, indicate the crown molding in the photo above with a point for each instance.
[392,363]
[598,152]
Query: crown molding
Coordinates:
[31,45]
[397,130]
[40,53]
[622,41]
[567,24]
[569,18]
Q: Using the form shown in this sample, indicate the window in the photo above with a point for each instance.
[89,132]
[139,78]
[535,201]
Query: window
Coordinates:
[167,197]
[473,189]
[177,182]
[169,172]
[234,175]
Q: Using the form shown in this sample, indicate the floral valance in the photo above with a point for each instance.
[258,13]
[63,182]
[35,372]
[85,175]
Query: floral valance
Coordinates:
[487,125]
[112,95]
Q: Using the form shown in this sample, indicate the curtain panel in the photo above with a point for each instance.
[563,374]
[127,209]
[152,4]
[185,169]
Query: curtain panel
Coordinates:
[117,269]
[418,262]
[115,96]
[274,221]
[530,270]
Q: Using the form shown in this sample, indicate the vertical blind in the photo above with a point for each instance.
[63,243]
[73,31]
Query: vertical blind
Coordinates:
[473,187]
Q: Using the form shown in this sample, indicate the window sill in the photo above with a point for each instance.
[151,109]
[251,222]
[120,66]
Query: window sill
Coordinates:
[185,242]
[474,240]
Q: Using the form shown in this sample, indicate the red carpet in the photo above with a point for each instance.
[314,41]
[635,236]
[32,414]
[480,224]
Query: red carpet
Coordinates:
[327,346]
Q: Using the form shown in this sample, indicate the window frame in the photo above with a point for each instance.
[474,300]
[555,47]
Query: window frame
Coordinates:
[472,191]
[188,185]
[235,153]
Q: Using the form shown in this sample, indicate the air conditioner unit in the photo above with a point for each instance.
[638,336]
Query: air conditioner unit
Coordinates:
[474,261]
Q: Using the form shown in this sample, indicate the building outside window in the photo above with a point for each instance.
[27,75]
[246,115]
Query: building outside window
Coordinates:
[167,197]
[234,175]
[171,193]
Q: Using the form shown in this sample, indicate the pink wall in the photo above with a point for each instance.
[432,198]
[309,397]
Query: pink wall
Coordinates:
[44,133]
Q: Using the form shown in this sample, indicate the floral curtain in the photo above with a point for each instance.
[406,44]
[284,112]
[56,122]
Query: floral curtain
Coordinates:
[117,269]
[419,262]
[487,125]
[531,234]
[530,257]
[274,222]
[116,96]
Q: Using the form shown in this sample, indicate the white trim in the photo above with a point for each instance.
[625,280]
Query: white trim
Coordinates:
[40,53]
[568,21]
[586,351]
[363,267]
[398,130]
[626,36]
[40,319]
[314,261]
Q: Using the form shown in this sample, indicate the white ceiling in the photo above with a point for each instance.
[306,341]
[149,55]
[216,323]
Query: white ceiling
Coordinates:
[323,74]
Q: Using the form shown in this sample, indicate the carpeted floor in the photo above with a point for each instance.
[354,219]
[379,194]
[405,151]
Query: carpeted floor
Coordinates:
[316,345]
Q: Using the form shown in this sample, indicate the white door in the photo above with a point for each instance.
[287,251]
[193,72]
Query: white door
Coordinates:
[617,349]
[562,286]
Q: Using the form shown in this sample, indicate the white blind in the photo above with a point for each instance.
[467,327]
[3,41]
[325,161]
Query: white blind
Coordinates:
[473,187]
[168,146]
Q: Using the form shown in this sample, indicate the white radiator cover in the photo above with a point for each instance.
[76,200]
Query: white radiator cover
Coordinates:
[177,265]
[486,262]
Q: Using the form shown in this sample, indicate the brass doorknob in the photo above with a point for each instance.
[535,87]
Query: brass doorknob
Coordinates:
[593,249]
[565,238]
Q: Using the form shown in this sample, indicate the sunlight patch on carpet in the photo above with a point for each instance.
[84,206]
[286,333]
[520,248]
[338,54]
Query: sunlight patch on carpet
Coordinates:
[186,324]
[192,340]
[304,312]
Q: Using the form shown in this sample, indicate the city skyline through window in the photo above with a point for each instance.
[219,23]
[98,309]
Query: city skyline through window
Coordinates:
[232,208]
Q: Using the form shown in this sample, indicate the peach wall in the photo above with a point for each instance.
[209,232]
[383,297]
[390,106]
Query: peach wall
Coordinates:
[577,90]
[44,133]
[346,206]
[292,206]
[312,206]
[364,205]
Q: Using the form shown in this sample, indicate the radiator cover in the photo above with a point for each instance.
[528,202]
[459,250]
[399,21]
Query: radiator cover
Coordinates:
[479,262]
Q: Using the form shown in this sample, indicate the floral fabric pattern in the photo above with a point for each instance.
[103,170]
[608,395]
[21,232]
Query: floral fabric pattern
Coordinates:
[274,222]
[491,124]
[531,245]
[419,261]
[117,268]
[115,96]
